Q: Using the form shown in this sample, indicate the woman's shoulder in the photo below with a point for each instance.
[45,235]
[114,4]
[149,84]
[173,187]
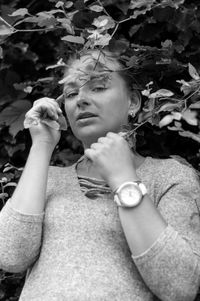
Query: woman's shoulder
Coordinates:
[172,168]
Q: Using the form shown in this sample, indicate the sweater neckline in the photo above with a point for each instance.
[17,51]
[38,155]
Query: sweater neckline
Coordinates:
[75,175]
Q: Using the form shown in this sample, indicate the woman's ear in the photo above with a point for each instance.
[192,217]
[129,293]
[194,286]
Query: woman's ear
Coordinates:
[135,103]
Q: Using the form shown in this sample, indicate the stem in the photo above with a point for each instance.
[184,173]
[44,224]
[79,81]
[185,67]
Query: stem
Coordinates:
[4,21]
[125,20]
[99,1]
[114,31]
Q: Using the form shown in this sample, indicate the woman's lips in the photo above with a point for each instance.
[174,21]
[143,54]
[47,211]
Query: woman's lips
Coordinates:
[85,115]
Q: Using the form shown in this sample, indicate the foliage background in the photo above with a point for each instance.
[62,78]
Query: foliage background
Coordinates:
[159,42]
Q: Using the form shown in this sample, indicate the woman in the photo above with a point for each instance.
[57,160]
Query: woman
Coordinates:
[115,225]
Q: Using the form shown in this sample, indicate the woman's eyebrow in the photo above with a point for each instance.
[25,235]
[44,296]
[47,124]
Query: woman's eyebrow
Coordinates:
[71,84]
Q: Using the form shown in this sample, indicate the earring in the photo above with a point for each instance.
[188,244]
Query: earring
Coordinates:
[131,114]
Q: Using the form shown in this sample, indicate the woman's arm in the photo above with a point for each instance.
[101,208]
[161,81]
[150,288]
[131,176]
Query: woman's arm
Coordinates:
[29,195]
[164,257]
[171,265]
[22,216]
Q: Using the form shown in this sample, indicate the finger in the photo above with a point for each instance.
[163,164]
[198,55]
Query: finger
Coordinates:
[95,146]
[114,136]
[46,110]
[103,140]
[90,153]
[45,101]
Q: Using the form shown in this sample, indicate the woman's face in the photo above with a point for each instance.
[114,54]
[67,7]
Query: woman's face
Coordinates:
[96,100]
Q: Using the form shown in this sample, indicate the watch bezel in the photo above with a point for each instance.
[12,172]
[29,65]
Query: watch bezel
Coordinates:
[119,198]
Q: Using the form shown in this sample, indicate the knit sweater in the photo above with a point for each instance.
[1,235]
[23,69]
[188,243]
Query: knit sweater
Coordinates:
[76,250]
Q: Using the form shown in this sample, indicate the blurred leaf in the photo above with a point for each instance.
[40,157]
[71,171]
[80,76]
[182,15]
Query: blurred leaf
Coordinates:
[73,39]
[20,12]
[195,105]
[13,115]
[162,93]
[96,8]
[193,72]
[190,117]
[5,30]
[3,195]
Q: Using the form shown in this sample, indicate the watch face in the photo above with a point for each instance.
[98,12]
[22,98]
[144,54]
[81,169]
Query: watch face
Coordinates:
[130,195]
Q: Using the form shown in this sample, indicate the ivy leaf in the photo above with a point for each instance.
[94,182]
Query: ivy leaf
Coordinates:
[161,93]
[13,115]
[73,39]
[20,12]
[96,8]
[193,72]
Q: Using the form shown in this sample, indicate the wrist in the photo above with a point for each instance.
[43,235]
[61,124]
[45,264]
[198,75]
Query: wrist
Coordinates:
[116,181]
[42,147]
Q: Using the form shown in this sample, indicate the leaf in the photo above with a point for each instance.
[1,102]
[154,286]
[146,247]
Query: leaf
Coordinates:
[166,120]
[162,93]
[193,72]
[13,115]
[13,149]
[5,30]
[190,117]
[96,8]
[169,118]
[59,4]
[195,105]
[67,24]
[73,39]
[167,44]
[168,107]
[3,195]
[188,134]
[20,12]
[68,4]
[140,3]
[28,89]
[104,22]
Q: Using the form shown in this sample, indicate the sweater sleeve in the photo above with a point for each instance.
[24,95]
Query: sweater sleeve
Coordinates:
[20,239]
[171,266]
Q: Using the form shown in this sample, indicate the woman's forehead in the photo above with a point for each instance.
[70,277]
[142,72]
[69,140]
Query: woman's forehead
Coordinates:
[94,61]
[94,65]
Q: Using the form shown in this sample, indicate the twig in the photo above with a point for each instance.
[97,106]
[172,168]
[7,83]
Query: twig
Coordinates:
[4,21]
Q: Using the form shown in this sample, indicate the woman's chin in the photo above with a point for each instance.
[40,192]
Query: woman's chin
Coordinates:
[90,134]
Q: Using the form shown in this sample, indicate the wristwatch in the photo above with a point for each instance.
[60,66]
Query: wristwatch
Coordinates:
[130,194]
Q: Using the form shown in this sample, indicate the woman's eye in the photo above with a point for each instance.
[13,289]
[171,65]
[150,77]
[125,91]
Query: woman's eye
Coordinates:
[71,95]
[99,89]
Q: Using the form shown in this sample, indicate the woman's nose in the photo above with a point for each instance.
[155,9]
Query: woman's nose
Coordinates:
[82,99]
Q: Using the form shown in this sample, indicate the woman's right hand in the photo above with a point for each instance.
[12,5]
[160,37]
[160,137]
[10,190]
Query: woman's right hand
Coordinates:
[44,113]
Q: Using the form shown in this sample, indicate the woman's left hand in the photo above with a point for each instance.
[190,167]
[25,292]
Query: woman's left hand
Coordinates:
[113,159]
